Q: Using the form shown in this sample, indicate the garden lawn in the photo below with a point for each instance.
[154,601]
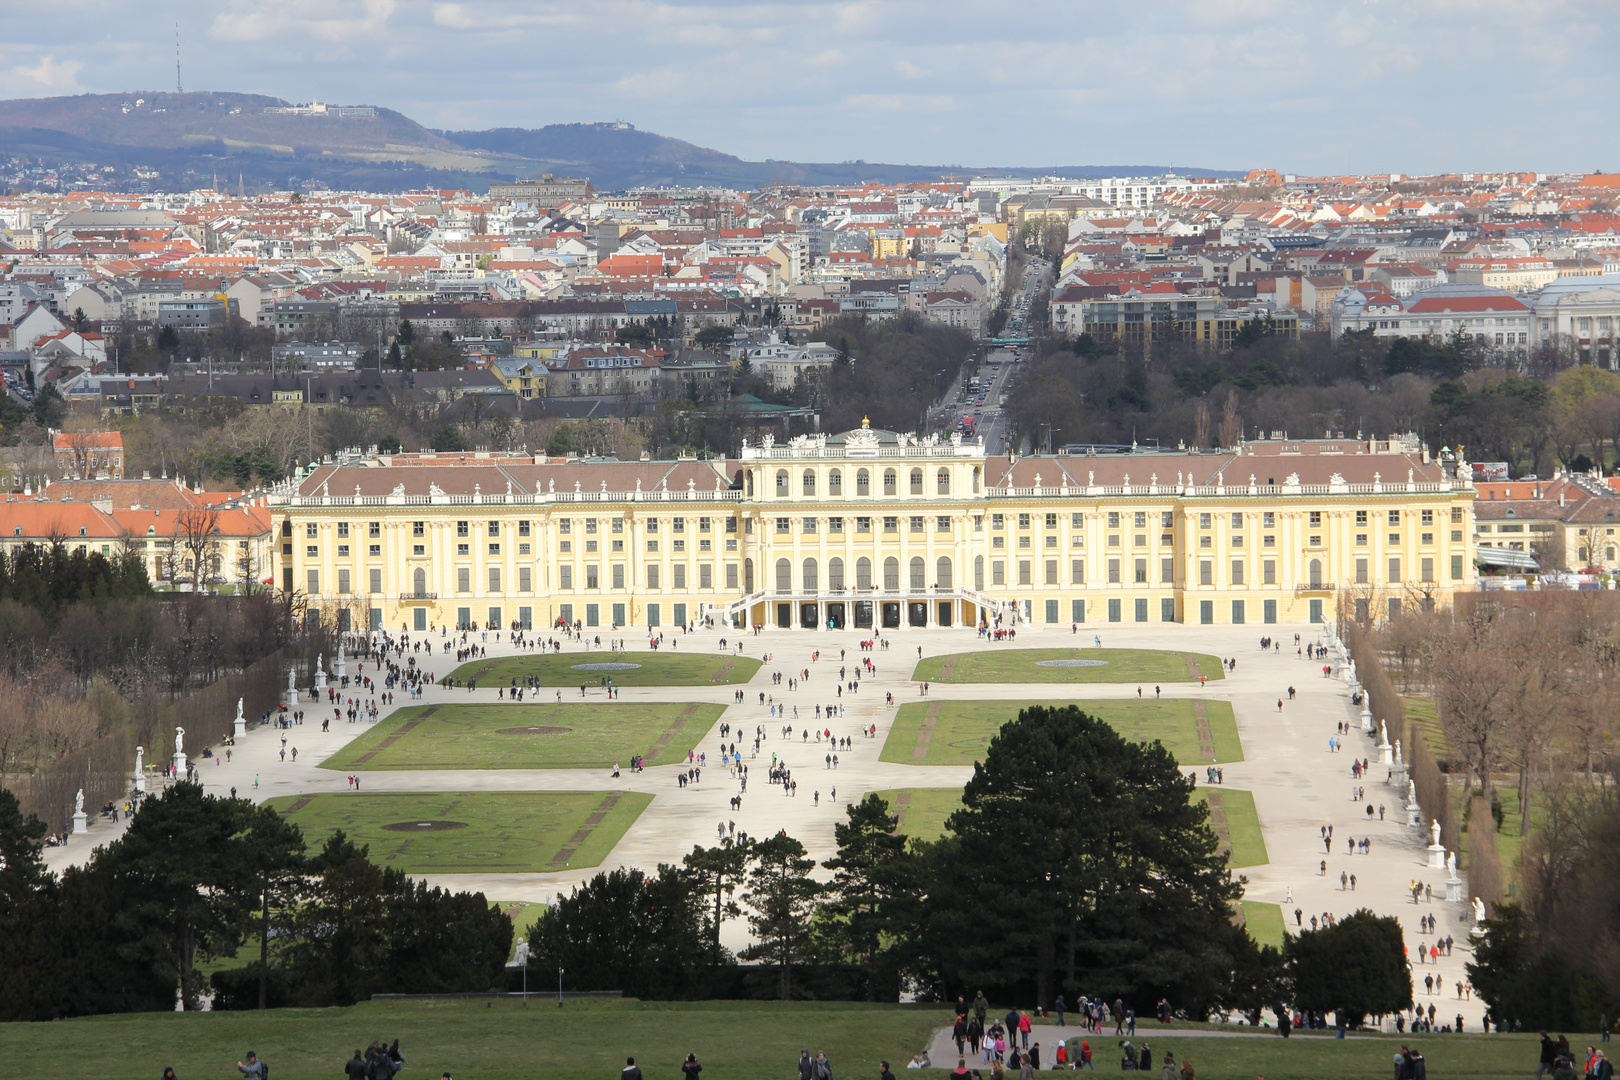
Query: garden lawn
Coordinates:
[1265,922]
[1000,664]
[588,1039]
[546,735]
[472,832]
[1237,823]
[663,668]
[923,811]
[939,731]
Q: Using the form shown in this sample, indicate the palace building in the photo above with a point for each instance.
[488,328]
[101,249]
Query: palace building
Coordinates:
[879,530]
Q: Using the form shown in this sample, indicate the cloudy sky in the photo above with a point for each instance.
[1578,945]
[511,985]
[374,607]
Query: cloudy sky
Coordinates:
[1350,86]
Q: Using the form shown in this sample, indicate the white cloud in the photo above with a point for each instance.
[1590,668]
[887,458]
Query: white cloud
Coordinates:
[348,21]
[58,76]
[492,17]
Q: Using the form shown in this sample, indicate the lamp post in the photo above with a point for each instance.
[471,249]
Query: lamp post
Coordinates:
[522,957]
[559,985]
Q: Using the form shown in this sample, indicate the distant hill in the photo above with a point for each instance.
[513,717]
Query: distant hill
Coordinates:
[190,137]
[616,155]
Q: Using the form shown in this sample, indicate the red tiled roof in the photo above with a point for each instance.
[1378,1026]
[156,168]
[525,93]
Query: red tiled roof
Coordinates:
[1467,303]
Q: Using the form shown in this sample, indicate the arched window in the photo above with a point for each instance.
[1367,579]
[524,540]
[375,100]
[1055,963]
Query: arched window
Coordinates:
[942,572]
[863,573]
[919,573]
[1316,573]
[782,482]
[890,482]
[809,481]
[891,573]
[975,479]
[810,575]
[943,481]
[748,575]
[916,482]
[784,576]
[835,482]
[863,482]
[419,581]
[835,573]
[978,572]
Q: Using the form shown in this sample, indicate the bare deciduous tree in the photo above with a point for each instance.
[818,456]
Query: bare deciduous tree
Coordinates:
[1470,685]
[197,534]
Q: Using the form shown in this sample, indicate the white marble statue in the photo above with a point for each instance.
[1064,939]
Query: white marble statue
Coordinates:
[1434,830]
[1451,863]
[1479,910]
[1398,758]
[140,752]
[1411,793]
[179,740]
[1383,733]
[239,709]
[319,666]
[78,802]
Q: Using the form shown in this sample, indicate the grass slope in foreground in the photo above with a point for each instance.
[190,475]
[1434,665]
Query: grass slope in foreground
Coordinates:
[663,668]
[1076,665]
[472,832]
[734,1040]
[938,731]
[573,735]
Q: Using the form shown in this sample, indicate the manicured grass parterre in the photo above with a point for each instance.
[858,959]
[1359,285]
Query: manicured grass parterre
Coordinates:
[588,1039]
[572,735]
[1235,821]
[472,832]
[939,731]
[995,663]
[663,668]
[1265,922]
[922,811]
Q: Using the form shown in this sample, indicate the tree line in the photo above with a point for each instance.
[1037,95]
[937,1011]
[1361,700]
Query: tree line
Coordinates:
[1077,864]
[1529,411]
[196,878]
[1522,687]
[91,657]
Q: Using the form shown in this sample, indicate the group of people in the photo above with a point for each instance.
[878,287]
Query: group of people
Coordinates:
[1558,1058]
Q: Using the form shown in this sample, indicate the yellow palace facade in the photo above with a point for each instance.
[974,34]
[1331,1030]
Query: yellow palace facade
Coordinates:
[878,530]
